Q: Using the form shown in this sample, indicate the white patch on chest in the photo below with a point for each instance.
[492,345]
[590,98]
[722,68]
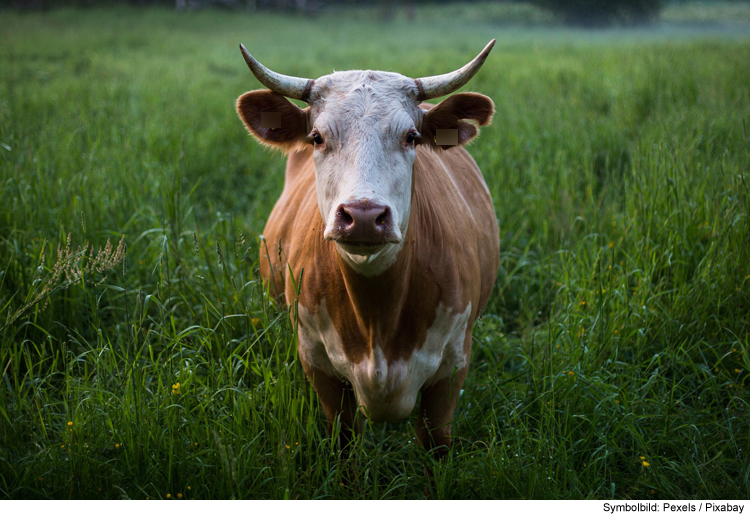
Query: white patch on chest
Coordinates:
[386,392]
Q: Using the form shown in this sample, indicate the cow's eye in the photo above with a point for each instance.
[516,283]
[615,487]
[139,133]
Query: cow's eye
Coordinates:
[410,137]
[317,138]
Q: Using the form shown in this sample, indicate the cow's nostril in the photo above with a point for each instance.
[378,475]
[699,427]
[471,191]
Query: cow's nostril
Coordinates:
[343,217]
[383,217]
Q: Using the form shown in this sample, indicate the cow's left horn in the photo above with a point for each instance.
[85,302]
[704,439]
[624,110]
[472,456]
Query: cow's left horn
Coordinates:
[440,85]
[293,87]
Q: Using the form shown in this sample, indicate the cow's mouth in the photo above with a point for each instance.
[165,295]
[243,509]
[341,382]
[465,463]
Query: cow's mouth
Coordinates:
[363,244]
[362,248]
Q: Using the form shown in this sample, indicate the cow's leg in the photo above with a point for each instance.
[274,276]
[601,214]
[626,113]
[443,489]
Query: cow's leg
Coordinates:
[436,410]
[338,401]
[438,404]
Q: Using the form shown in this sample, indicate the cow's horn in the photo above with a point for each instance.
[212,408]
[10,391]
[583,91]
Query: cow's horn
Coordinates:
[292,87]
[439,85]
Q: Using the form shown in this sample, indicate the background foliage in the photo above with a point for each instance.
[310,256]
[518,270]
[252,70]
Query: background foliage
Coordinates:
[612,360]
[579,12]
[602,12]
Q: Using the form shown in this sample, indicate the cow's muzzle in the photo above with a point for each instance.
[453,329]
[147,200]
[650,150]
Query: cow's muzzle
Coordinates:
[363,223]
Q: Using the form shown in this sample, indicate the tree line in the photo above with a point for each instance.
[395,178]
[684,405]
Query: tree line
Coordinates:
[573,12]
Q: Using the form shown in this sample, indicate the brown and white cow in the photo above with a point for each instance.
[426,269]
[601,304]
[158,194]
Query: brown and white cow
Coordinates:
[396,234]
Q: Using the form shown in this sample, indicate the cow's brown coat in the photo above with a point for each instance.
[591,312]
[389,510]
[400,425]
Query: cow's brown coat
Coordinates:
[450,256]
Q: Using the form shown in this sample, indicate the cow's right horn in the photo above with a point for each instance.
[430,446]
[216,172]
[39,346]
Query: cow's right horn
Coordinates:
[440,85]
[292,87]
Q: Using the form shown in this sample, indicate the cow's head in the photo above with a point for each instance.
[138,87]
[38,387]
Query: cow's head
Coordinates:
[364,128]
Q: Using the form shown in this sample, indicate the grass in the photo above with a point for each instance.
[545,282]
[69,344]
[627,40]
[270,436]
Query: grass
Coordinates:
[612,360]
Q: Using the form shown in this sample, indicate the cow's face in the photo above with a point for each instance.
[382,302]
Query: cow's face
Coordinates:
[364,128]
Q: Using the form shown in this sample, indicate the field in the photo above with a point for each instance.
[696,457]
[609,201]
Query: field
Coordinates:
[611,362]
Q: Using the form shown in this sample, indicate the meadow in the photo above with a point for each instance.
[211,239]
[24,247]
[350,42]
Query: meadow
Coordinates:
[611,362]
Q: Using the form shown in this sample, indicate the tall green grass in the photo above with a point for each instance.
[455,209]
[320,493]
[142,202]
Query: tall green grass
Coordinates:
[618,164]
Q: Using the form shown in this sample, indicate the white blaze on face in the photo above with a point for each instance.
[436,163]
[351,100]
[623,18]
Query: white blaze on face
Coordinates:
[364,117]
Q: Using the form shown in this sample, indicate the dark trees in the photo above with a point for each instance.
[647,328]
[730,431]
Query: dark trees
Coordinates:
[593,13]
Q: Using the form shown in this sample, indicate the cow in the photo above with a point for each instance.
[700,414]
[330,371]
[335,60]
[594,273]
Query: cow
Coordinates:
[385,237]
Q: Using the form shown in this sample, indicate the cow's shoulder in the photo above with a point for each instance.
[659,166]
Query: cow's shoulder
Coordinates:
[287,229]
[450,194]
[455,225]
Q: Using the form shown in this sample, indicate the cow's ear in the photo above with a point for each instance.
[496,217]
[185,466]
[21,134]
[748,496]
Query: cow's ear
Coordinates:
[264,107]
[457,112]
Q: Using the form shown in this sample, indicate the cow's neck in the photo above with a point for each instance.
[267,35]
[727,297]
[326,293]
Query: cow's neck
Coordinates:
[378,300]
